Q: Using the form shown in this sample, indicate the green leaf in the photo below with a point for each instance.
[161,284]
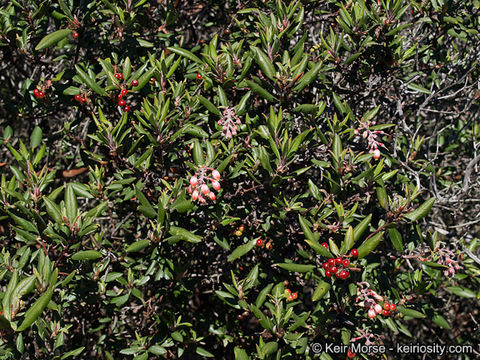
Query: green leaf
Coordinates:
[157,350]
[310,76]
[185,234]
[241,250]
[7,296]
[86,255]
[269,348]
[347,241]
[36,137]
[369,245]
[71,203]
[240,354]
[409,312]
[396,239]
[361,227]
[421,211]
[185,53]
[319,249]
[24,287]
[264,63]
[91,83]
[321,290]
[36,310]
[209,105]
[301,268]
[138,246]
[419,88]
[257,89]
[202,352]
[53,38]
[441,321]
[306,228]
[462,291]
[75,352]
[198,156]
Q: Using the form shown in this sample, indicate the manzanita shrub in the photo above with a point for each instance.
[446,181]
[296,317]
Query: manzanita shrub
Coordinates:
[238,180]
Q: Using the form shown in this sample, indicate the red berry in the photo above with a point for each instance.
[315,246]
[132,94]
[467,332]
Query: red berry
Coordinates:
[325,245]
[386,306]
[343,274]
[350,354]
[288,291]
[328,273]
[338,260]
[83,101]
[259,242]
[393,307]
[354,252]
[331,261]
[36,92]
[119,96]
[199,77]
[346,263]
[326,265]
[135,82]
[124,92]
[41,94]
[333,269]
[386,312]
[78,97]
[269,246]
[126,108]
[290,298]
[119,76]
[294,295]
[75,35]
[121,103]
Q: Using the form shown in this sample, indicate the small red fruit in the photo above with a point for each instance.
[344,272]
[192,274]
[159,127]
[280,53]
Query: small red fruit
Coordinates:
[83,101]
[126,108]
[269,246]
[386,306]
[328,273]
[333,269]
[325,245]
[290,298]
[386,312]
[393,307]
[346,263]
[75,35]
[350,354]
[326,265]
[124,92]
[294,295]
[338,260]
[135,82]
[331,262]
[121,103]
[288,291]
[41,94]
[36,92]
[199,77]
[343,274]
[259,242]
[78,97]
[119,76]
[354,252]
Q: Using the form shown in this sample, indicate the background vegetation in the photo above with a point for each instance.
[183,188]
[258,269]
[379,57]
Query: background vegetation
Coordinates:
[175,175]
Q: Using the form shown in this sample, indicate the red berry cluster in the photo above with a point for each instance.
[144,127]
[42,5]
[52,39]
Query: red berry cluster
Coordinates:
[198,186]
[80,99]
[268,245]
[334,266]
[75,35]
[377,310]
[38,94]
[290,296]
[124,92]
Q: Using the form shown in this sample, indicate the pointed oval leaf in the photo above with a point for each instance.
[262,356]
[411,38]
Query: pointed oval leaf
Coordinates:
[52,39]
[36,310]
[86,255]
[369,245]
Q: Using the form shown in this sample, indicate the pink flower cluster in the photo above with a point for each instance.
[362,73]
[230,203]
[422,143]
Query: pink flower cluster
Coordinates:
[229,121]
[199,188]
[369,299]
[371,137]
[447,258]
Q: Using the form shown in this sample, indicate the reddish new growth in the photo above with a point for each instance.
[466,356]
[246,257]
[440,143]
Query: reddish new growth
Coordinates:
[229,121]
[199,188]
[447,257]
[371,137]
